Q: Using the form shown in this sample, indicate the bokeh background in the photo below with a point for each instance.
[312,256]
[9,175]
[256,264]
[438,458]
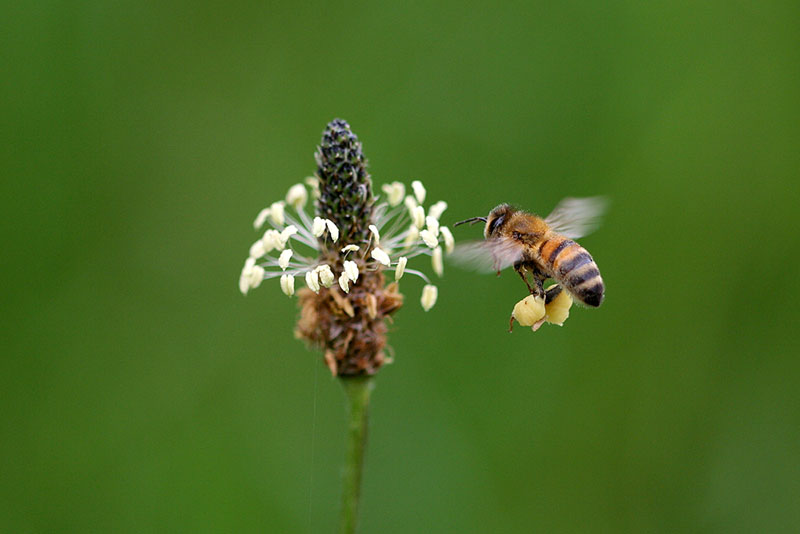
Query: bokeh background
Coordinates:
[140,392]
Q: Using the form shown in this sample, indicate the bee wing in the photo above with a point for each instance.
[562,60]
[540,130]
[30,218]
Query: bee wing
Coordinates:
[577,217]
[488,256]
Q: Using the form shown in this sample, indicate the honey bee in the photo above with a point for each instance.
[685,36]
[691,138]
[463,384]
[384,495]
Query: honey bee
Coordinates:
[541,248]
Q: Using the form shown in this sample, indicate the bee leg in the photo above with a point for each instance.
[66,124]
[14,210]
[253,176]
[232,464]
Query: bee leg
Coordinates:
[522,273]
[552,293]
[511,324]
[538,278]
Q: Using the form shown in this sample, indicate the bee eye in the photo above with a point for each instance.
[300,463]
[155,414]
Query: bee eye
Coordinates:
[496,223]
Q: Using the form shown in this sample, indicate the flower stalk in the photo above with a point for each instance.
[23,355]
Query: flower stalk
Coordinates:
[357,390]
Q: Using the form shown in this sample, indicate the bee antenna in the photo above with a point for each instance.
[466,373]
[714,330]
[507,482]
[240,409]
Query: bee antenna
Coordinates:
[471,221]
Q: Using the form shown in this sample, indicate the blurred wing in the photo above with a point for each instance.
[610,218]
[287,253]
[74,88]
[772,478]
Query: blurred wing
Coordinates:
[487,256]
[577,217]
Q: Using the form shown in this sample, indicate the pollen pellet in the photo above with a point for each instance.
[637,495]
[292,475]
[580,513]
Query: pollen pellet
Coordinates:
[529,310]
[557,311]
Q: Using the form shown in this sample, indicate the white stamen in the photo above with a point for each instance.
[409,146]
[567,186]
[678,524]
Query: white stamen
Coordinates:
[401,268]
[297,196]
[429,239]
[437,209]
[333,231]
[390,230]
[261,218]
[271,239]
[312,281]
[244,278]
[429,295]
[313,183]
[276,212]
[351,269]
[283,260]
[381,256]
[287,284]
[375,233]
[449,241]
[419,191]
[256,276]
[277,241]
[344,282]
[326,276]
[433,225]
[394,193]
[257,249]
[318,226]
[410,203]
[288,232]
[436,261]
[413,235]
[418,216]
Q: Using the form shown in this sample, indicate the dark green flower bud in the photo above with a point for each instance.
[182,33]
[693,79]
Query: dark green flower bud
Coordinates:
[344,184]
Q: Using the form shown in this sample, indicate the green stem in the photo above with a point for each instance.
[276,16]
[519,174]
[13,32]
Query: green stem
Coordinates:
[357,389]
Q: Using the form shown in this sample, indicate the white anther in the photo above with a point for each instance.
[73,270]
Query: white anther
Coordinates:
[276,212]
[244,278]
[257,249]
[418,216]
[297,196]
[429,239]
[287,284]
[256,276]
[312,281]
[375,233]
[261,218]
[410,203]
[395,192]
[436,261]
[283,260]
[437,209]
[413,235]
[333,231]
[272,240]
[381,256]
[318,226]
[449,241]
[429,295]
[351,269]
[313,183]
[326,276]
[288,232]
[344,282]
[419,191]
[433,225]
[401,268]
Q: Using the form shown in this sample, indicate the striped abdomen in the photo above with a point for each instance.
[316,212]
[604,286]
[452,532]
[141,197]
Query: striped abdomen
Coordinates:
[573,267]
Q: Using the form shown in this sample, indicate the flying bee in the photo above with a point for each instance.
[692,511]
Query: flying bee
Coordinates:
[541,248]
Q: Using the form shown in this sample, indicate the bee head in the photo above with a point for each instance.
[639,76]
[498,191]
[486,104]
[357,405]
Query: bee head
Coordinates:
[496,218]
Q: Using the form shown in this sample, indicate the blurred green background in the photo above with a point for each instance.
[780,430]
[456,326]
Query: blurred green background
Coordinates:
[142,393]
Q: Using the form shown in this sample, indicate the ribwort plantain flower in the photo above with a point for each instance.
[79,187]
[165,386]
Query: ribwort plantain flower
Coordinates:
[343,251]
